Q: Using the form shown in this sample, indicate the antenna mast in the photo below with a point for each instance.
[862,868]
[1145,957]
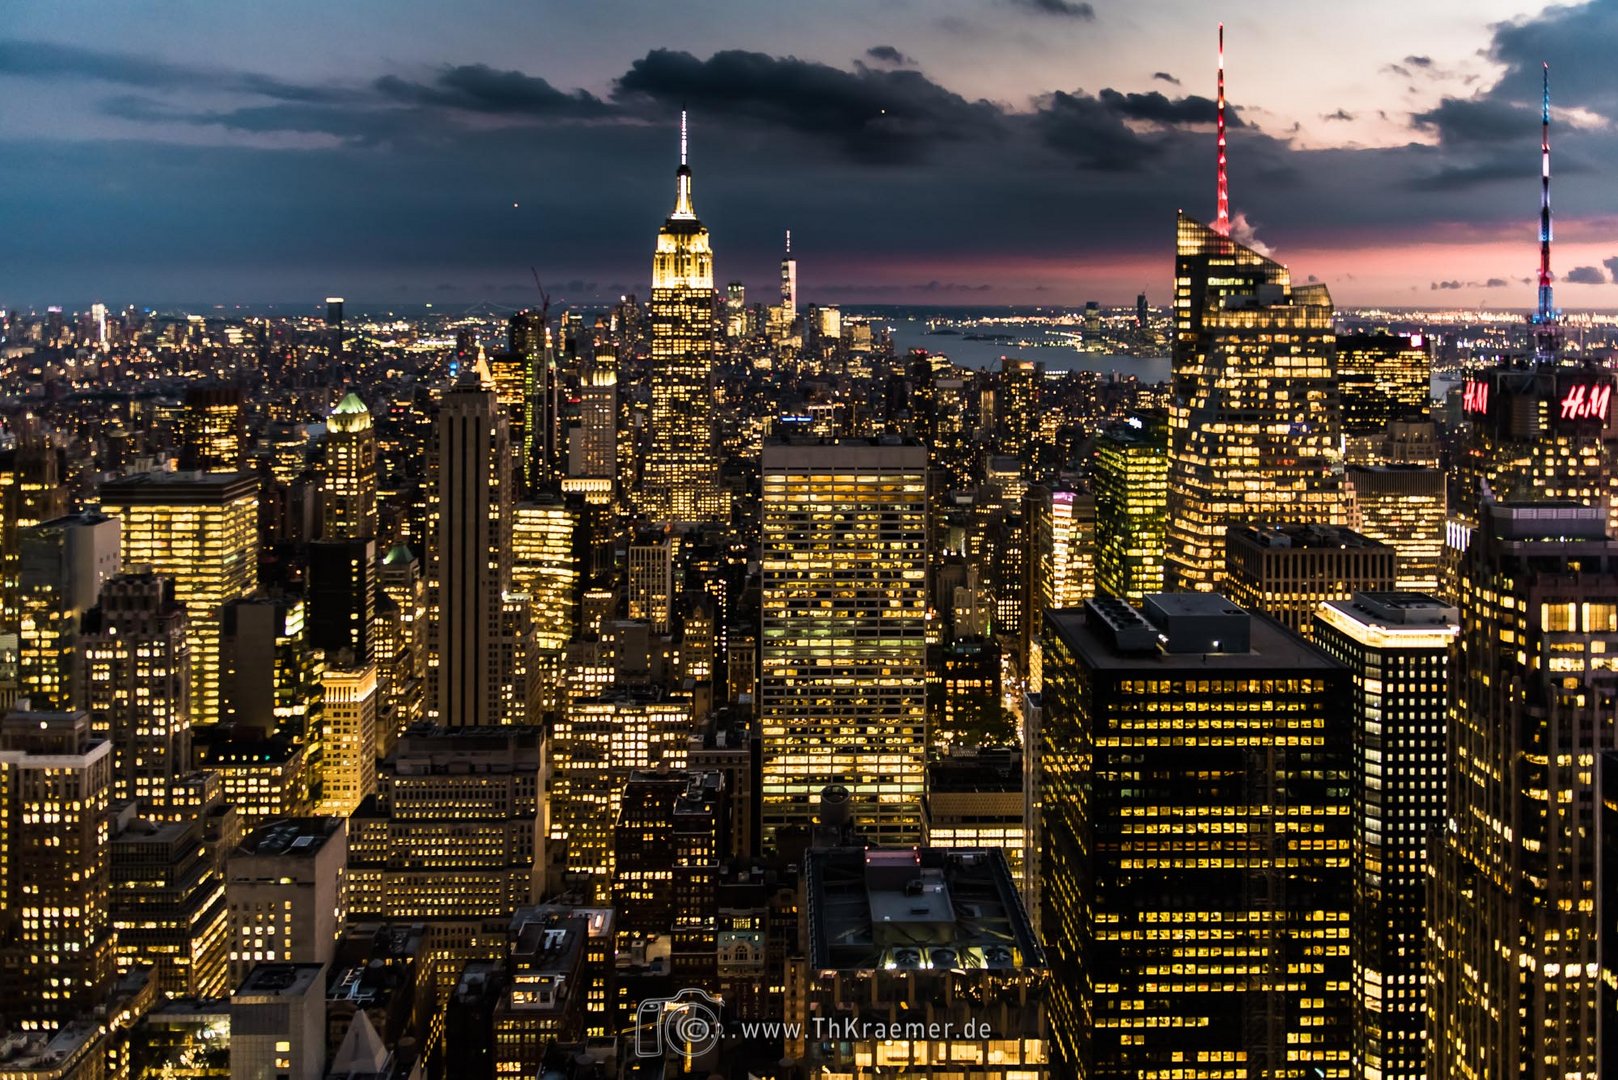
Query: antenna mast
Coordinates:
[1222,218]
[1546,339]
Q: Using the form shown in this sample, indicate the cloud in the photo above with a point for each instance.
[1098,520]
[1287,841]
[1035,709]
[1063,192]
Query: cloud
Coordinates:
[1585,275]
[1154,107]
[1075,9]
[1163,76]
[1491,283]
[1612,267]
[876,116]
[887,54]
[1482,119]
[951,286]
[47,60]
[1340,114]
[480,88]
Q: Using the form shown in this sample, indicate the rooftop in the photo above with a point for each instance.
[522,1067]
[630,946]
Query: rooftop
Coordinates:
[916,909]
[1096,641]
[1304,536]
[282,980]
[302,836]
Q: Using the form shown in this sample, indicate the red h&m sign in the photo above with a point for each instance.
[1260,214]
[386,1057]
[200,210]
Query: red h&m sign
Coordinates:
[1475,398]
[1586,402]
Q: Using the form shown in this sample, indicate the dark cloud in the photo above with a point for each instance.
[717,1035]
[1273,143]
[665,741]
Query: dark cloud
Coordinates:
[1340,114]
[480,88]
[1419,61]
[876,116]
[1612,267]
[46,60]
[1087,131]
[887,54]
[936,286]
[1478,120]
[1585,275]
[1163,76]
[1074,9]
[1153,107]
[1491,283]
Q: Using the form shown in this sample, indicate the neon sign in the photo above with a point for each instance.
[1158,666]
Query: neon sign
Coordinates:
[1585,402]
[1475,398]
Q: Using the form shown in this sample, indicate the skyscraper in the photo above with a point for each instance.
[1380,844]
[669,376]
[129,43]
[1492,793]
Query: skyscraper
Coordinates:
[472,554]
[63,564]
[1131,492]
[350,472]
[1514,937]
[1287,571]
[843,647]
[1382,378]
[136,657]
[200,530]
[1397,646]
[55,781]
[789,279]
[1253,417]
[1191,795]
[680,480]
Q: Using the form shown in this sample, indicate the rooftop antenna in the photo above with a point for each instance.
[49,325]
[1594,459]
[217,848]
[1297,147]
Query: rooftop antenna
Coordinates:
[1545,315]
[789,241]
[1222,218]
[682,137]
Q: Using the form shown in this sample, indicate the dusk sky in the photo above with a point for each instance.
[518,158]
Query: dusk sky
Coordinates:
[937,151]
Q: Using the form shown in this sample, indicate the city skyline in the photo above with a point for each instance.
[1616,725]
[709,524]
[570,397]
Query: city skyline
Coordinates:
[913,168]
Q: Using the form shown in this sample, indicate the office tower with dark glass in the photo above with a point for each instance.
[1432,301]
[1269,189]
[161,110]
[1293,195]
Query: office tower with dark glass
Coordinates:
[1193,808]
[471,567]
[680,479]
[1514,955]
[1131,495]
[843,646]
[1397,646]
[1382,378]
[1253,418]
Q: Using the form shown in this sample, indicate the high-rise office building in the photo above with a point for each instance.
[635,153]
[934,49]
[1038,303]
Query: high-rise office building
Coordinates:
[63,564]
[199,530]
[600,742]
[167,905]
[342,593]
[545,567]
[668,845]
[287,886]
[278,1023]
[1404,507]
[402,642]
[1288,571]
[455,829]
[1131,493]
[213,430]
[592,445]
[1192,799]
[136,657]
[471,567]
[843,642]
[975,800]
[31,492]
[651,579]
[57,952]
[789,279]
[1537,432]
[529,384]
[350,472]
[1514,932]
[348,739]
[1382,378]
[1397,647]
[680,477]
[1253,419]
[920,962]
[1016,405]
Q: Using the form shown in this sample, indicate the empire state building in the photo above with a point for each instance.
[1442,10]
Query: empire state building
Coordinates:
[681,477]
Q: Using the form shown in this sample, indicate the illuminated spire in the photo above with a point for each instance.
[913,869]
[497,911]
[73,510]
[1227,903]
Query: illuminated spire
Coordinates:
[1222,218]
[789,241]
[1546,341]
[682,180]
